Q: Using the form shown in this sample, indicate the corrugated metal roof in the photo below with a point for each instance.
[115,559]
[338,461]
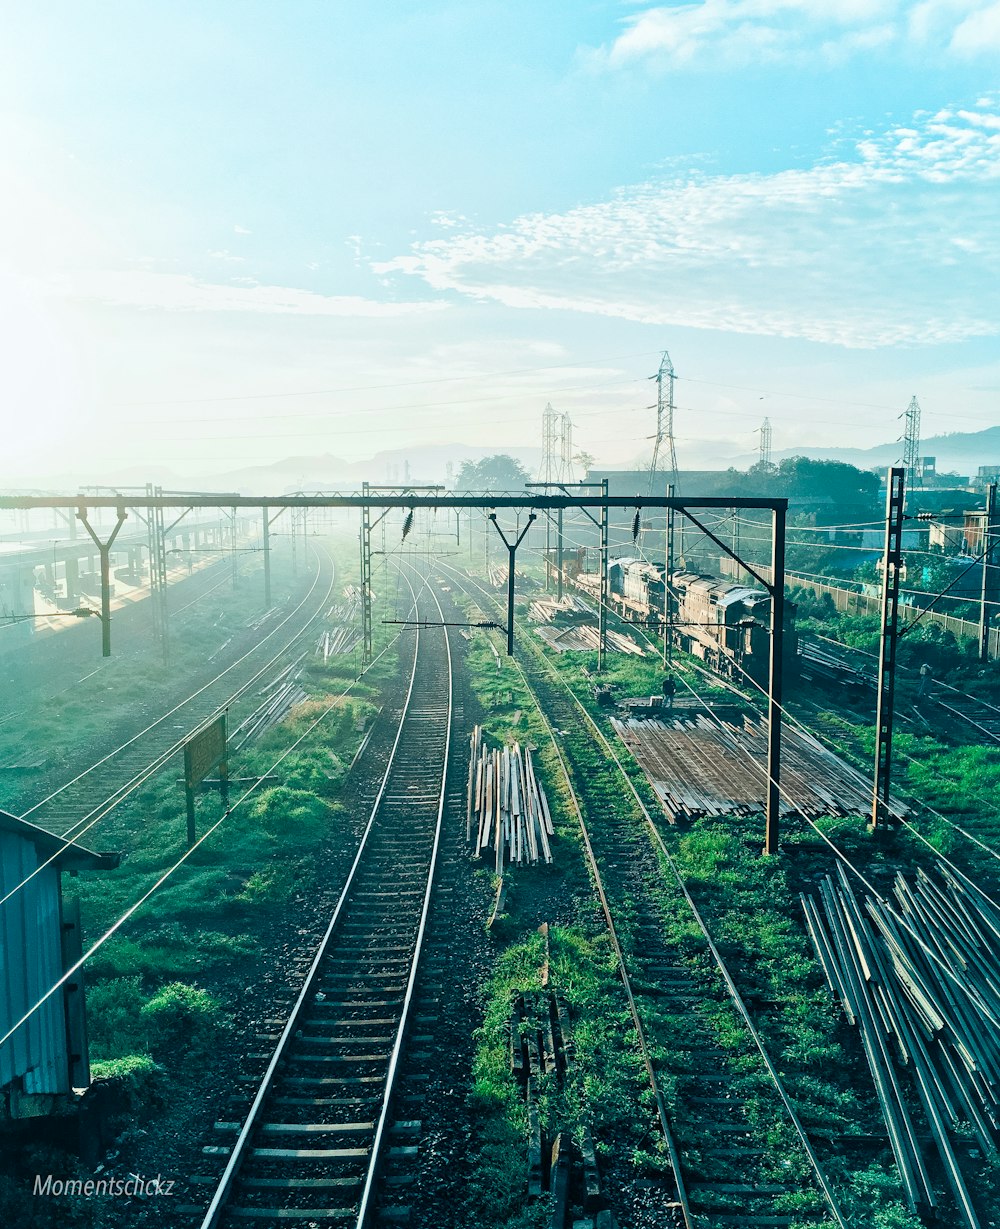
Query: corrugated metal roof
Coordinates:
[31,959]
[70,855]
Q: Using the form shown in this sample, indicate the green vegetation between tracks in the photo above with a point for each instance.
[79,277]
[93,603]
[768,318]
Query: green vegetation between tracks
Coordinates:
[751,907]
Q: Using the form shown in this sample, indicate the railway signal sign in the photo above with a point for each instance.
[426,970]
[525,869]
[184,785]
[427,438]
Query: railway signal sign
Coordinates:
[204,751]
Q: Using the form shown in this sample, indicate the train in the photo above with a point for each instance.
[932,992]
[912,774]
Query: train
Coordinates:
[722,622]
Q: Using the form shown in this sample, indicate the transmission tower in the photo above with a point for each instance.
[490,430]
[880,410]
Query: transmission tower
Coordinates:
[551,455]
[911,438]
[765,443]
[566,448]
[664,421]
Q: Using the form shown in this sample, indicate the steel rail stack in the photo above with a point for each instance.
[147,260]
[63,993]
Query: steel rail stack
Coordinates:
[312,1144]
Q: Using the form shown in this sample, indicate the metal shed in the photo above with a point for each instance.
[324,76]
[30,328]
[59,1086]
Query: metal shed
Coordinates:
[39,940]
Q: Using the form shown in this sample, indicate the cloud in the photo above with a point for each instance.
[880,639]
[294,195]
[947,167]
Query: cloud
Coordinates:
[743,32]
[897,244]
[241,230]
[175,292]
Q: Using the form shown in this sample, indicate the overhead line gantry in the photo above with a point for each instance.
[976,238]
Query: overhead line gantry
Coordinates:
[411,499]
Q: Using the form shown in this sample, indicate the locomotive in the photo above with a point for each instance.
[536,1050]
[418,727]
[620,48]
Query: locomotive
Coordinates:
[723,623]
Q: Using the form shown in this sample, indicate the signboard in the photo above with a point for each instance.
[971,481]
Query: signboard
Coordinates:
[204,751]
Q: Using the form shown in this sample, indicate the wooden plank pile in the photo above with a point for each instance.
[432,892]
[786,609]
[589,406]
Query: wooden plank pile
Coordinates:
[919,976]
[507,810]
[699,765]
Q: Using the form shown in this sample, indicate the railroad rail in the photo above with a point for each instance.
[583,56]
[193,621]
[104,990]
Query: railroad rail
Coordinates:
[723,1168]
[311,1146]
[978,718]
[93,793]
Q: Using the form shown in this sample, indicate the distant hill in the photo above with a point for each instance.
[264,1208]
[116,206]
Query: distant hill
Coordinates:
[422,465]
[960,452]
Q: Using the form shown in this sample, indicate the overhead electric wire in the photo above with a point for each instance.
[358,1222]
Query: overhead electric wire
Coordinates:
[93,817]
[133,908]
[731,987]
[783,792]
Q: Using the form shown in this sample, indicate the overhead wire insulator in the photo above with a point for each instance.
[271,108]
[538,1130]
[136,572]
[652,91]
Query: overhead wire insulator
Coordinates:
[636,525]
[407,524]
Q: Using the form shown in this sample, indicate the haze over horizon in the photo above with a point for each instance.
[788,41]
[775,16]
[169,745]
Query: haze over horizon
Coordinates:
[235,236]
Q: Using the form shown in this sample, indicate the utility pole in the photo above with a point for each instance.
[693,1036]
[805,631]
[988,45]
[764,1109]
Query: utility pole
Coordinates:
[775,681]
[232,547]
[602,614]
[511,552]
[559,555]
[892,560]
[366,580]
[267,559]
[989,531]
[158,569]
[668,589]
[104,549]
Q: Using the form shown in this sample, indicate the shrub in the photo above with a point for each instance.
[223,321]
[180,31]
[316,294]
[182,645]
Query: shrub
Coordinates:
[181,1019]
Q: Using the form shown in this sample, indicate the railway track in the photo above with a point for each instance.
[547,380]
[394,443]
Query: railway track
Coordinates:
[92,794]
[725,1169]
[312,1146]
[976,718]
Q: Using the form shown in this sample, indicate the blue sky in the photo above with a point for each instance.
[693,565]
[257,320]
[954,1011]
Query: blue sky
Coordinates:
[232,232]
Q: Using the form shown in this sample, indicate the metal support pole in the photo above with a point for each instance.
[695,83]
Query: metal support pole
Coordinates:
[892,559]
[989,529]
[774,689]
[559,554]
[366,581]
[511,552]
[668,589]
[232,548]
[602,616]
[548,553]
[104,548]
[267,560]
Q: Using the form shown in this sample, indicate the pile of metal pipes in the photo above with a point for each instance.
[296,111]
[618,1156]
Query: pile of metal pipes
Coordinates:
[507,808]
[339,640]
[280,697]
[919,976]
[583,638]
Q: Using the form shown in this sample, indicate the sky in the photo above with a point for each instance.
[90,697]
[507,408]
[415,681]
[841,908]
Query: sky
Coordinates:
[241,231]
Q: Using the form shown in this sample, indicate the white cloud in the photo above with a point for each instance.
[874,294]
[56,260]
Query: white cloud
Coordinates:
[241,230]
[175,292]
[979,32]
[897,245]
[708,33]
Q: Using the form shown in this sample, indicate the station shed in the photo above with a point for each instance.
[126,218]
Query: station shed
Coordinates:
[46,1058]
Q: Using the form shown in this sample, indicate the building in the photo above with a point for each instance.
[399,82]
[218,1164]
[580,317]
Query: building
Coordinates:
[46,1057]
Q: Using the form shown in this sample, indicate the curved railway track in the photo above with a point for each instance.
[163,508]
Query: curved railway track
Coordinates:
[89,796]
[726,1173]
[311,1146]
